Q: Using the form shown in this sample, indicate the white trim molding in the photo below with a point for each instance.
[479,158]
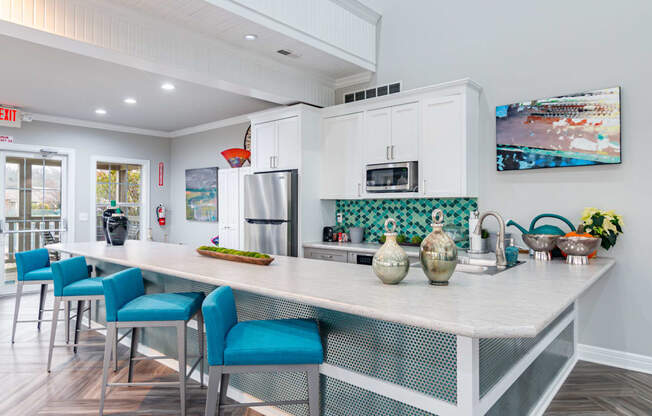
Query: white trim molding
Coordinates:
[615,358]
[210,126]
[355,79]
[96,125]
[144,191]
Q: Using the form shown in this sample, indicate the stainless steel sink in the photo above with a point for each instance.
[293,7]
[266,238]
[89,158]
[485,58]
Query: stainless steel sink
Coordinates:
[481,266]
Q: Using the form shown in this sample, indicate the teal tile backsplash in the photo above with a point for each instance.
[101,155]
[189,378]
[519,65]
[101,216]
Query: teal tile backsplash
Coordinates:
[413,216]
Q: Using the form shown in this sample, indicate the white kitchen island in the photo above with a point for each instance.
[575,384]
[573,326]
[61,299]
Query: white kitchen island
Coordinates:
[482,345]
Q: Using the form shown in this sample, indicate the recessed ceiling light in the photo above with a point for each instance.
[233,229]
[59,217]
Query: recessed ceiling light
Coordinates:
[251,36]
[100,111]
[130,100]
[167,86]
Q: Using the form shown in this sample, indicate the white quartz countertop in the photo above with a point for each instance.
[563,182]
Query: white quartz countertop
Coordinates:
[519,302]
[370,248]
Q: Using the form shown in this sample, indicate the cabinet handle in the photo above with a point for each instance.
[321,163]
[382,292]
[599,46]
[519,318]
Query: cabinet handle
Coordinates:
[326,256]
[270,162]
[275,161]
[359,189]
[424,186]
[387,152]
[392,152]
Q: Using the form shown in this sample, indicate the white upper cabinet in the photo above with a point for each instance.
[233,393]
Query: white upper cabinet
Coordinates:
[391,134]
[405,133]
[276,145]
[437,126]
[442,162]
[378,135]
[341,161]
[288,154]
[263,146]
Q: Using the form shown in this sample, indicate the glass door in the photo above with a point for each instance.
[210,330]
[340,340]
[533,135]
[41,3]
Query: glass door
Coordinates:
[34,212]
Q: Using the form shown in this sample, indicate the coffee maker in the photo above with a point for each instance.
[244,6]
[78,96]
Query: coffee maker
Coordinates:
[328,234]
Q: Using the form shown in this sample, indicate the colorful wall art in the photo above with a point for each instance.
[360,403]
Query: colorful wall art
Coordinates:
[571,130]
[201,194]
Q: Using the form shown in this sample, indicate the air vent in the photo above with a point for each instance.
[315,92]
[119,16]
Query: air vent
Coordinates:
[287,52]
[379,91]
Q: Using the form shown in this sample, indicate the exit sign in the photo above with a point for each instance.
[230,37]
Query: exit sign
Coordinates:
[10,117]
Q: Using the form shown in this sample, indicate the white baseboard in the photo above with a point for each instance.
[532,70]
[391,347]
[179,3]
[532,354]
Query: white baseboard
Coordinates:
[551,392]
[615,358]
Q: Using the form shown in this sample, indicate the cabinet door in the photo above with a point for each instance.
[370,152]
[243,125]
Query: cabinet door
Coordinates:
[288,149]
[405,133]
[442,165]
[377,135]
[341,164]
[263,144]
[228,208]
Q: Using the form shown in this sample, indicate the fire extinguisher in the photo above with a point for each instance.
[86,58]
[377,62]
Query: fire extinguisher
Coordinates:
[160,214]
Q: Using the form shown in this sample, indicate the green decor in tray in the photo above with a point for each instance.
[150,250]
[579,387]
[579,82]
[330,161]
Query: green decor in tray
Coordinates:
[223,253]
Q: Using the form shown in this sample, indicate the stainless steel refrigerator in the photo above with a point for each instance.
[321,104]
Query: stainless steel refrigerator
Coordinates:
[271,213]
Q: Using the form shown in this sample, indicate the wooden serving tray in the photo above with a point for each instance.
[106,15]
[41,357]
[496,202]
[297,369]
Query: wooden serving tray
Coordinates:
[233,257]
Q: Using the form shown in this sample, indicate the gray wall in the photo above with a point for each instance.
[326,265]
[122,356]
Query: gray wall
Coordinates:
[95,142]
[199,150]
[520,50]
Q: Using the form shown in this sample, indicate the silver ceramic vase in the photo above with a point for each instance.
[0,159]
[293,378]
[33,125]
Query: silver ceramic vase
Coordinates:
[438,252]
[390,263]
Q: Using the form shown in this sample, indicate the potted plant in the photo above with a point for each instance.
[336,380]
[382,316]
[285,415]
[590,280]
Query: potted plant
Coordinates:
[604,224]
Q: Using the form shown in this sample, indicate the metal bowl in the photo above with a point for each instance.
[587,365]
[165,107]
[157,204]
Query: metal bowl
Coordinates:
[578,246]
[542,244]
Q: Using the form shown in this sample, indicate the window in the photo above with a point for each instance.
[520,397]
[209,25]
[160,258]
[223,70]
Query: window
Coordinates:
[32,189]
[122,183]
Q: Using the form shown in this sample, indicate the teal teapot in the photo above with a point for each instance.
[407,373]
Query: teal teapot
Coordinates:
[544,229]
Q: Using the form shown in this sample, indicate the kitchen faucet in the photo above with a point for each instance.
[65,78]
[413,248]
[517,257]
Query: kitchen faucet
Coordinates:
[501,260]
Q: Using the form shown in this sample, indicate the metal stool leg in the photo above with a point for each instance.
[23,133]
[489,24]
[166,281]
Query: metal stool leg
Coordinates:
[78,319]
[213,394]
[53,330]
[66,312]
[115,352]
[200,342]
[108,346]
[224,387]
[132,352]
[19,294]
[181,341]
[41,305]
[90,313]
[313,391]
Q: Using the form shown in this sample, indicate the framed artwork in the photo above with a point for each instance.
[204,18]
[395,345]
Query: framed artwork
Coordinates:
[569,130]
[201,194]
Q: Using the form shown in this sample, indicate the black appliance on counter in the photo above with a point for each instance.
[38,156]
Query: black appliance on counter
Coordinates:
[328,234]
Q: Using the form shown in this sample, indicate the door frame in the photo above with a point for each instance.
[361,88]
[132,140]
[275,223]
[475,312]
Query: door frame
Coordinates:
[144,196]
[68,203]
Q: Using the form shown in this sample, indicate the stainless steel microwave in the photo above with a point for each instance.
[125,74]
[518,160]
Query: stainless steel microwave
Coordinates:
[392,177]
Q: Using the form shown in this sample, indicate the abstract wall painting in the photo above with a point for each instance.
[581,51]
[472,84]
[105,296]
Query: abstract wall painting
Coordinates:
[201,194]
[570,130]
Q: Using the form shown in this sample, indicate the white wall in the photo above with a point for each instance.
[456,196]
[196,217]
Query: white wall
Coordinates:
[199,150]
[519,50]
[95,142]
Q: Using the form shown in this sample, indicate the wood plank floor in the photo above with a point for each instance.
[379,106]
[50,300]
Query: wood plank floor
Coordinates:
[73,386]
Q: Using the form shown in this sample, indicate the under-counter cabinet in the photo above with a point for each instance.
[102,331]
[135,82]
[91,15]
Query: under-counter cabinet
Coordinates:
[341,148]
[392,134]
[276,145]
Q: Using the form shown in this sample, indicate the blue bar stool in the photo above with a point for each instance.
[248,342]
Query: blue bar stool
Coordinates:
[72,284]
[257,346]
[127,306]
[33,268]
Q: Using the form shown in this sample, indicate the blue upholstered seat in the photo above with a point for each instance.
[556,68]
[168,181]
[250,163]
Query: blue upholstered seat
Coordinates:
[288,341]
[84,287]
[162,307]
[33,265]
[44,273]
[125,298]
[71,278]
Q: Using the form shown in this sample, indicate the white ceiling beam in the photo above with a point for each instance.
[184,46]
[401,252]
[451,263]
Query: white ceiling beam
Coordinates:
[345,29]
[98,29]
